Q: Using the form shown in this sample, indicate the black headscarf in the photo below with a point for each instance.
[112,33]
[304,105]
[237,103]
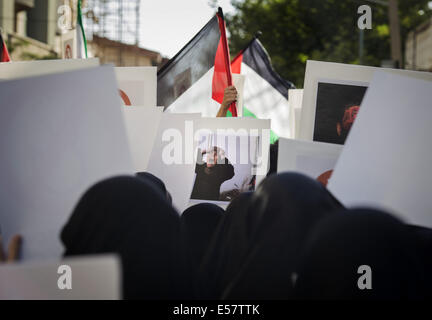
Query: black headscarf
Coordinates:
[281,212]
[226,250]
[130,216]
[340,244]
[158,183]
[274,150]
[198,224]
[423,238]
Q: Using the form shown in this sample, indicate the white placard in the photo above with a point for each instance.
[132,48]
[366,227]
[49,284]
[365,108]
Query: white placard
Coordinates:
[316,70]
[314,159]
[92,278]
[54,145]
[137,85]
[142,124]
[237,125]
[173,156]
[295,97]
[240,127]
[386,159]
[171,159]
[22,69]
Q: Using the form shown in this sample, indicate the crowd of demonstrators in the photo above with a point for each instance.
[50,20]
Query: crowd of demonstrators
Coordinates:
[290,239]
[134,218]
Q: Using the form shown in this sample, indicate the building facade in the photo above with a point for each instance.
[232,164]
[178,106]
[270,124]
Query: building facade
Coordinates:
[30,28]
[32,32]
[121,54]
[418,48]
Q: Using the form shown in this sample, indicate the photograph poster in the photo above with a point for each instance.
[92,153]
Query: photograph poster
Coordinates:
[337,105]
[225,166]
[318,95]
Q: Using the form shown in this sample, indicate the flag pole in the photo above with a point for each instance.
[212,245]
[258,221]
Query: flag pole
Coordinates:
[222,29]
[81,27]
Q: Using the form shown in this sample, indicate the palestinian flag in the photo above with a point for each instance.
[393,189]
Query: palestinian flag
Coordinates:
[265,93]
[194,80]
[4,53]
[81,41]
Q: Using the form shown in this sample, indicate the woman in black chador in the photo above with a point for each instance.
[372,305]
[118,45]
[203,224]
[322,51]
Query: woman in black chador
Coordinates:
[211,174]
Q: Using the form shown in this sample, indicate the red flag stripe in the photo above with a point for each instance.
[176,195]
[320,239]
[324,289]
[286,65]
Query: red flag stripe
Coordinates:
[222,77]
[236,64]
[220,80]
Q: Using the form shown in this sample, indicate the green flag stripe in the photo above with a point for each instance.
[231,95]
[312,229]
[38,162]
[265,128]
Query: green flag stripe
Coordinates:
[247,113]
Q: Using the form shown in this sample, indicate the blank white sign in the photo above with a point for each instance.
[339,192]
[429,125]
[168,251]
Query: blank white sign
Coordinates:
[142,124]
[308,157]
[59,134]
[22,69]
[92,277]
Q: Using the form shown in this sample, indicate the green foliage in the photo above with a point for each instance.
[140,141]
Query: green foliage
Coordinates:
[32,56]
[12,45]
[28,55]
[296,30]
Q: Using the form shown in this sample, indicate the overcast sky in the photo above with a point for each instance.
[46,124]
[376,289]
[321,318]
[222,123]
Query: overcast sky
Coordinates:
[167,25]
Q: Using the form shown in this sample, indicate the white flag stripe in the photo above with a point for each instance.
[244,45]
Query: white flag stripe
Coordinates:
[265,102]
[80,44]
[197,99]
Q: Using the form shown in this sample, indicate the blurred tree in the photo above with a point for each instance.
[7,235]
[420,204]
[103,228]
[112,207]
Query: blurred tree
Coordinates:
[296,30]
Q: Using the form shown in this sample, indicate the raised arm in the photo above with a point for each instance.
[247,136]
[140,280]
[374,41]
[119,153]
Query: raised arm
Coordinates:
[230,95]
